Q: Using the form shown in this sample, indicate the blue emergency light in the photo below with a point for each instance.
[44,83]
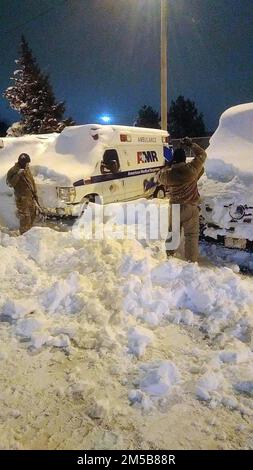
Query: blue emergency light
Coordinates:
[168,153]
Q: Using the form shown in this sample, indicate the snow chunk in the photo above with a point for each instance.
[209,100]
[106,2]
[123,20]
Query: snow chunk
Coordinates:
[182,316]
[245,387]
[230,402]
[27,326]
[167,271]
[99,409]
[16,309]
[140,399]
[158,378]
[235,357]
[138,339]
[39,339]
[61,341]
[208,383]
[61,293]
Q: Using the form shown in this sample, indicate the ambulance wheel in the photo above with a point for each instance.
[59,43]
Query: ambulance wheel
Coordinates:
[93,198]
[159,192]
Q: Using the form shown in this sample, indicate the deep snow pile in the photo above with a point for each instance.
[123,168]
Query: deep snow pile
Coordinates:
[231,145]
[229,169]
[57,158]
[111,296]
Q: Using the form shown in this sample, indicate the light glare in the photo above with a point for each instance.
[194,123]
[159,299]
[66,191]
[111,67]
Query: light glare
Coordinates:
[106,119]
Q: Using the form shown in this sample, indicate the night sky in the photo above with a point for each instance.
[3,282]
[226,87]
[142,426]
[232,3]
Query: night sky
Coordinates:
[103,56]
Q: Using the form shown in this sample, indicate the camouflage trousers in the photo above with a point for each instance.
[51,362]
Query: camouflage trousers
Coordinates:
[26,208]
[189,222]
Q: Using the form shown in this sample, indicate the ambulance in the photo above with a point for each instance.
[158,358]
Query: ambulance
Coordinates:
[116,163]
[89,163]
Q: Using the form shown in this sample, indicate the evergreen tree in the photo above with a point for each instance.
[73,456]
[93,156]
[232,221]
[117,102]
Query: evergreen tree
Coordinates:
[184,119]
[148,117]
[32,96]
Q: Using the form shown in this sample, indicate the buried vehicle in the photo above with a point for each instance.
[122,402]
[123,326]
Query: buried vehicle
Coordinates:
[227,188]
[102,163]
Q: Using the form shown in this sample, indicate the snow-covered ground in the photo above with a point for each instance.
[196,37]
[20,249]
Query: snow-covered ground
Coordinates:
[105,344]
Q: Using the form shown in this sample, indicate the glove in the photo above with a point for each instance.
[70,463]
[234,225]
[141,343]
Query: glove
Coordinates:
[186,141]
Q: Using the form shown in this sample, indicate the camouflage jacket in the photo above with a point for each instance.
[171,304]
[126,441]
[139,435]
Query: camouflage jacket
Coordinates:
[181,179]
[22,182]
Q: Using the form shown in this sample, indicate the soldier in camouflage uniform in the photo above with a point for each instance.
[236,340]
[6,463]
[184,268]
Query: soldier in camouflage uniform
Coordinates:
[20,178]
[181,181]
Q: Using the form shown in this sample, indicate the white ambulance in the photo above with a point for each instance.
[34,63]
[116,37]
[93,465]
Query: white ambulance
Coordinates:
[101,163]
[115,163]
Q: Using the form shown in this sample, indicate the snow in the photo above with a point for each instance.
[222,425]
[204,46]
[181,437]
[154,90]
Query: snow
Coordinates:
[234,259]
[209,382]
[229,172]
[138,339]
[232,143]
[246,387]
[158,378]
[119,306]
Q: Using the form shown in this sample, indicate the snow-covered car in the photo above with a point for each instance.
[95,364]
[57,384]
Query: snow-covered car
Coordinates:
[227,188]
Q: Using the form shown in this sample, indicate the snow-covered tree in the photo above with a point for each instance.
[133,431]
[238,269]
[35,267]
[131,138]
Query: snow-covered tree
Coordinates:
[15,130]
[32,96]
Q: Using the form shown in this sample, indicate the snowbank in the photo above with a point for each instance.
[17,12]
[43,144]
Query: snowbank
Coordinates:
[229,173]
[111,297]
[231,147]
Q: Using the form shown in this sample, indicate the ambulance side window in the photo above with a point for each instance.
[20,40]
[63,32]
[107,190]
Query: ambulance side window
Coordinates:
[110,162]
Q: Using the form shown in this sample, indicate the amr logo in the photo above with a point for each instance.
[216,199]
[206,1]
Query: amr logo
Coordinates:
[147,157]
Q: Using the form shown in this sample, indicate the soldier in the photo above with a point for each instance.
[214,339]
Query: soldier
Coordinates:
[20,178]
[181,181]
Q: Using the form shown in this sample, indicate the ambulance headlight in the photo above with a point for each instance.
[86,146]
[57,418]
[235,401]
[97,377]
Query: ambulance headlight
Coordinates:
[67,194]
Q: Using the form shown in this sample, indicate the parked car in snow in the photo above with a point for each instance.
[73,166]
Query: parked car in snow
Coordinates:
[227,189]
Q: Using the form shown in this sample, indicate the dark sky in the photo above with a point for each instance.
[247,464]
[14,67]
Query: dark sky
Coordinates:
[103,56]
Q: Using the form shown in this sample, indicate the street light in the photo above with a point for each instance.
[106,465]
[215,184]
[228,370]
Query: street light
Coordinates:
[164,71]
